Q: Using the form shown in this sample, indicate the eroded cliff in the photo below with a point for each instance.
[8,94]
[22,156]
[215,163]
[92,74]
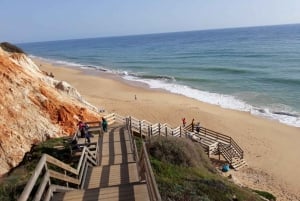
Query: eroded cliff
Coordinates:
[33,106]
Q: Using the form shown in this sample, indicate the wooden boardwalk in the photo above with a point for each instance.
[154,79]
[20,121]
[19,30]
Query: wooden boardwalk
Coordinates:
[116,178]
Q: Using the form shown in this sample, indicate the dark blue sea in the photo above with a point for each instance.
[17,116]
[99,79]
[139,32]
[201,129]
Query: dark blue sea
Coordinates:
[254,69]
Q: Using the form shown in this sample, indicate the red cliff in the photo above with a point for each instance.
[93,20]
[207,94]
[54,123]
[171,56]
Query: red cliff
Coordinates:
[33,106]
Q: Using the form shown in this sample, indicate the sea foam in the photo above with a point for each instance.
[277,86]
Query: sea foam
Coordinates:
[222,100]
[279,113]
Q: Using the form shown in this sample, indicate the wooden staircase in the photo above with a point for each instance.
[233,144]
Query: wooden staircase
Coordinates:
[232,156]
[116,177]
[110,168]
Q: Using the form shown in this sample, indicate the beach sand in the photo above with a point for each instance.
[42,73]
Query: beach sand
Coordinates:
[272,149]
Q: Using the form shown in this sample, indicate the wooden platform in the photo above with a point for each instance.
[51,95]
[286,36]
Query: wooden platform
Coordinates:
[116,177]
[128,192]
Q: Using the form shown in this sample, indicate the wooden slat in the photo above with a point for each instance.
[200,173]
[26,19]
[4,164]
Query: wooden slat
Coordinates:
[42,187]
[137,192]
[30,184]
[63,177]
[60,164]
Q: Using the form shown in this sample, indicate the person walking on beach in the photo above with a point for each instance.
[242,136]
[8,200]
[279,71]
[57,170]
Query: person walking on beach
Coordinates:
[104,124]
[183,121]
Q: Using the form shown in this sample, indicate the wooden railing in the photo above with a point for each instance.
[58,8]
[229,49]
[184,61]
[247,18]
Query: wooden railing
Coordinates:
[147,129]
[49,168]
[146,173]
[222,139]
[143,163]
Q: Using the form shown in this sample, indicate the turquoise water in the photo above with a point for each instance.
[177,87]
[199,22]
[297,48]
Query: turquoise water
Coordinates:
[250,69]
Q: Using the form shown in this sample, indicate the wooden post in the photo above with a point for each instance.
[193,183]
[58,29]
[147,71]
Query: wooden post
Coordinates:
[140,124]
[130,124]
[127,123]
[180,131]
[166,130]
[159,129]
[149,136]
[219,151]
[67,183]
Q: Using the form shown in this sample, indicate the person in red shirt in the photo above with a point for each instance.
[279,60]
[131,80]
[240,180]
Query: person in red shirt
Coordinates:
[183,121]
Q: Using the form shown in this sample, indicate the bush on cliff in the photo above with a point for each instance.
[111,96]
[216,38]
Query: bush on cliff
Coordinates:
[11,48]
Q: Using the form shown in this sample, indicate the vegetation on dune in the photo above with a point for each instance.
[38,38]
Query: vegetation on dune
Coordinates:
[183,172]
[11,48]
[12,185]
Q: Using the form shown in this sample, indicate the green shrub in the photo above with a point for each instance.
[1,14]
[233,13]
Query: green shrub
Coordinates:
[265,194]
[179,151]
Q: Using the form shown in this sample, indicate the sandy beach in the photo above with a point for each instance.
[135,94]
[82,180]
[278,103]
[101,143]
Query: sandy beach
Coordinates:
[272,149]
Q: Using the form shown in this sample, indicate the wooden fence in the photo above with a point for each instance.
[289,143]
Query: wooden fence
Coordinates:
[147,129]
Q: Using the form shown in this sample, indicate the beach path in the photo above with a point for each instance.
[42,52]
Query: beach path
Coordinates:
[116,177]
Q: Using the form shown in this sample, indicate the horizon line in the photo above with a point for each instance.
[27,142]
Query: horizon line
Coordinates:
[157,33]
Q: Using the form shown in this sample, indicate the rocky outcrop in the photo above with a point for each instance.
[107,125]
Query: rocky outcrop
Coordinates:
[33,106]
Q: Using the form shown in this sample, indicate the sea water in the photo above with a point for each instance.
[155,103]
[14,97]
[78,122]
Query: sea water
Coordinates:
[255,69]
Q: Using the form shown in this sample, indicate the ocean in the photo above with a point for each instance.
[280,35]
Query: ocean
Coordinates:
[255,69]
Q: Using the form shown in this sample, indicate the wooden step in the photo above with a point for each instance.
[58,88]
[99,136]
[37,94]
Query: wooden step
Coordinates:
[127,192]
[116,148]
[109,175]
[117,159]
[238,163]
[116,177]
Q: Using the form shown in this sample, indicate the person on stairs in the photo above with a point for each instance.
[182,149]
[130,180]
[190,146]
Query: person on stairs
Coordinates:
[81,126]
[104,124]
[87,134]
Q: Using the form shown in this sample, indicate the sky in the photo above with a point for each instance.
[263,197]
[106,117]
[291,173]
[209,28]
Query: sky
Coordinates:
[36,20]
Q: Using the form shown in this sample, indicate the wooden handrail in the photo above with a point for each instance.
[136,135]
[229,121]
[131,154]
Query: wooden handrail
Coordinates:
[144,167]
[147,174]
[141,127]
[29,186]
[86,156]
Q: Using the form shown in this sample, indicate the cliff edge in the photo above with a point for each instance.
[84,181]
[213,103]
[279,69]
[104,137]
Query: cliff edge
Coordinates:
[33,106]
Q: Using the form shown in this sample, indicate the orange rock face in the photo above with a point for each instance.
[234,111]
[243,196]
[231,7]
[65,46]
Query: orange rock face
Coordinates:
[33,108]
